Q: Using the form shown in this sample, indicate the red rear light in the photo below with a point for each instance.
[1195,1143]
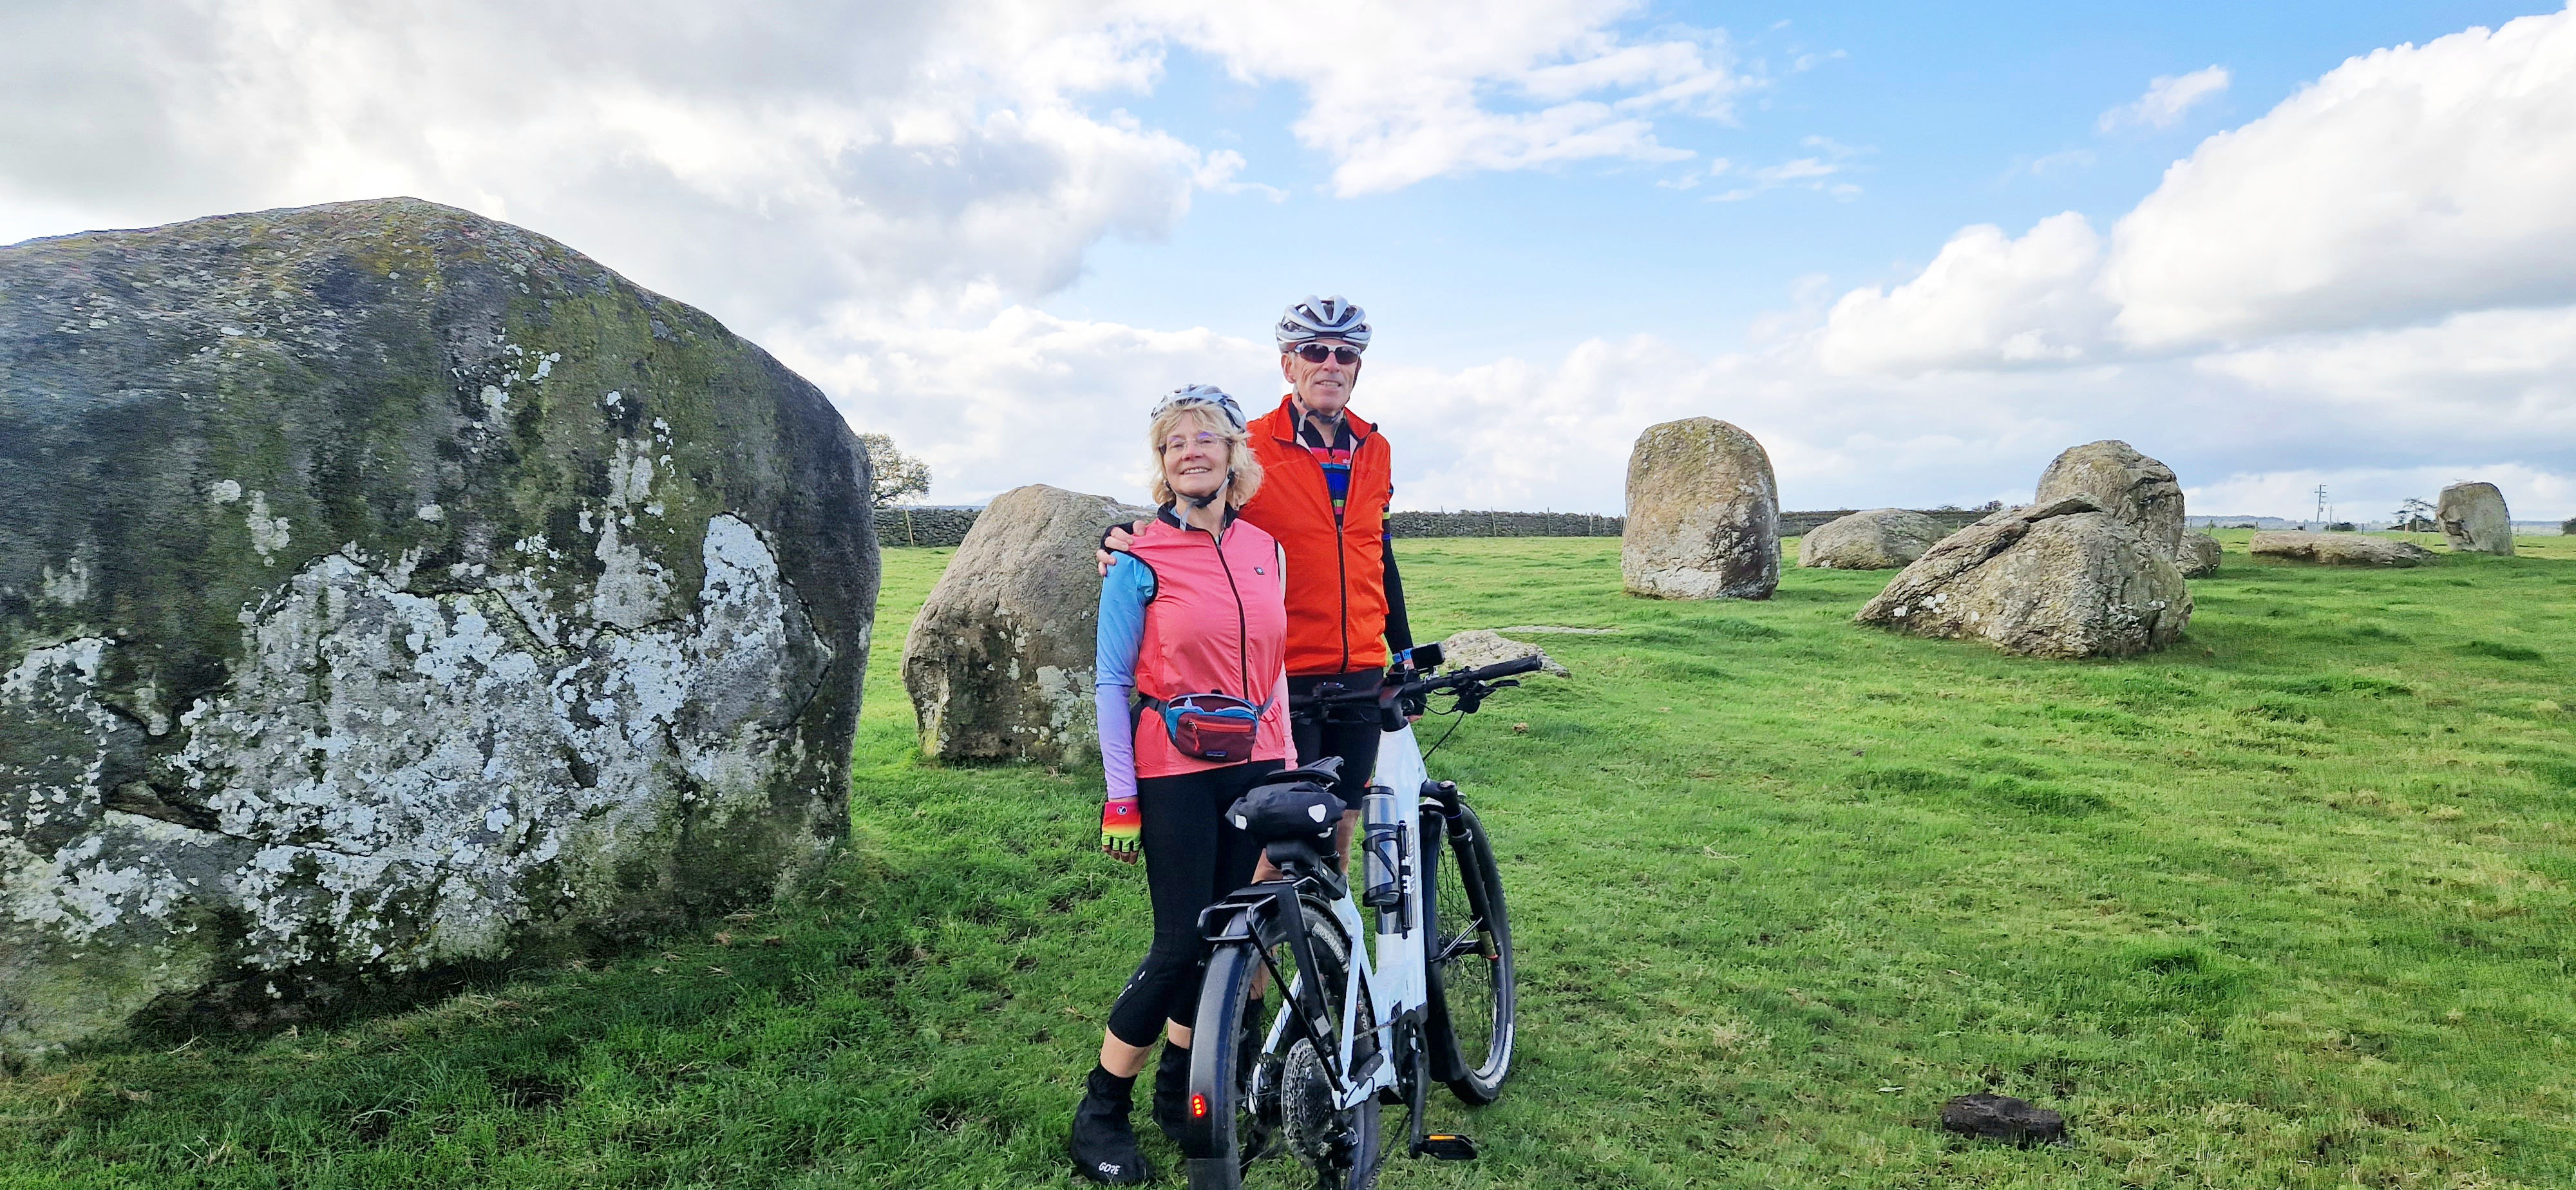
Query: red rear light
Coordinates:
[1198,1107]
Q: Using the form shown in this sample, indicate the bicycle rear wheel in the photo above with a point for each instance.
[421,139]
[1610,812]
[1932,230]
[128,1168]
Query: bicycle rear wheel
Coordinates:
[1468,946]
[1271,1119]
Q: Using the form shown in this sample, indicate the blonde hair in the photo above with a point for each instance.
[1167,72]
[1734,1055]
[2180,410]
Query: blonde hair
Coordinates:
[1243,468]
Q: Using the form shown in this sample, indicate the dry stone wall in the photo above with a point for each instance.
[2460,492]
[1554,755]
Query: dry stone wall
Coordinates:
[899,526]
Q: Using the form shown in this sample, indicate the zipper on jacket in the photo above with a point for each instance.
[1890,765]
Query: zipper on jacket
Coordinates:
[1242,626]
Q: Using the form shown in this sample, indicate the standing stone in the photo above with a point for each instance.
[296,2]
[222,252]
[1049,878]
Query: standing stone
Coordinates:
[999,663]
[2474,519]
[2128,485]
[2199,555]
[383,588]
[1703,514]
[1879,539]
[2056,580]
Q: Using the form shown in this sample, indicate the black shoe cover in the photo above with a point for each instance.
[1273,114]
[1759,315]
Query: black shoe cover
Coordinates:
[1104,1143]
[1172,1091]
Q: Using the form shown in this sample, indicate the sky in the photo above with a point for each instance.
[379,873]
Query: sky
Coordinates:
[1915,252]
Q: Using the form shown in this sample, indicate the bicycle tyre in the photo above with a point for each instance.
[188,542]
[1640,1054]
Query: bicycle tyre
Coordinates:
[1247,1113]
[1468,958]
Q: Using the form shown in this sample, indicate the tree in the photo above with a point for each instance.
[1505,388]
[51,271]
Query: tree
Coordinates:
[893,474]
[2414,516]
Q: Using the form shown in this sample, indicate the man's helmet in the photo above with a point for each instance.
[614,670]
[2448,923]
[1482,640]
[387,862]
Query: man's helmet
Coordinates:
[1324,318]
[1206,395]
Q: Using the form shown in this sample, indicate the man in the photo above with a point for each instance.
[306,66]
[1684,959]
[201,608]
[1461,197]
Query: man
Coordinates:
[1329,478]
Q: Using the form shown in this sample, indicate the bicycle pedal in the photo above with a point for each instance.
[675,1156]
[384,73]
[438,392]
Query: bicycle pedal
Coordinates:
[1446,1146]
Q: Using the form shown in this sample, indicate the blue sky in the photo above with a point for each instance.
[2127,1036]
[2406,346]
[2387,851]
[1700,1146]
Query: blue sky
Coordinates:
[1951,115]
[1916,251]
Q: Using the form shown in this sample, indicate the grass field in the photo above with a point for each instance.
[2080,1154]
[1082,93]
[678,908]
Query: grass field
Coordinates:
[2286,906]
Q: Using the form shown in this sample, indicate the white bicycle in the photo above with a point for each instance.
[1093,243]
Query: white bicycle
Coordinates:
[1285,1089]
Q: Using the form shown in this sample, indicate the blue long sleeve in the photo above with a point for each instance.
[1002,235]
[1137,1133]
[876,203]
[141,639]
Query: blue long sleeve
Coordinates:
[1123,596]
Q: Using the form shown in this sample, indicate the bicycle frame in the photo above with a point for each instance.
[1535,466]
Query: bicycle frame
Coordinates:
[1396,984]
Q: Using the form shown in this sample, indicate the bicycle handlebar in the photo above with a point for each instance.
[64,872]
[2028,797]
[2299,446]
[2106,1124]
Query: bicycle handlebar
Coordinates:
[1453,680]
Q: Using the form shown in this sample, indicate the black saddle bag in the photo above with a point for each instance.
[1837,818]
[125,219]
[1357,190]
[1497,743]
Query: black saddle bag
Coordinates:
[1293,810]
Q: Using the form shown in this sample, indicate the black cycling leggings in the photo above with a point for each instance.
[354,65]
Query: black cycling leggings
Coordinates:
[1192,857]
[1353,736]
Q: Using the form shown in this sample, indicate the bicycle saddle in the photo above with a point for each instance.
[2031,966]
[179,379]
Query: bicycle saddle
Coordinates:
[1296,804]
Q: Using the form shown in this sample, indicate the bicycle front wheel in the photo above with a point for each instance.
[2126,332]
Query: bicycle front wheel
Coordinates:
[1469,957]
[1271,1117]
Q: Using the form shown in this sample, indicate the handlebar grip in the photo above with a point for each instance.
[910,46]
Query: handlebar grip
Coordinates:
[1503,669]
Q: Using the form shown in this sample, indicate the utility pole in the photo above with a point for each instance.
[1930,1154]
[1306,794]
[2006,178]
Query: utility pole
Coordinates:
[2321,505]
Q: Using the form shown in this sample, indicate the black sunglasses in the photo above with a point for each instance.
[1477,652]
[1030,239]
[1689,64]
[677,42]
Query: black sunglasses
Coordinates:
[1316,353]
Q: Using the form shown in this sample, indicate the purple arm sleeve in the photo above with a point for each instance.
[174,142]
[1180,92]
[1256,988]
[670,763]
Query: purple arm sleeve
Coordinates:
[1124,592]
[1117,739]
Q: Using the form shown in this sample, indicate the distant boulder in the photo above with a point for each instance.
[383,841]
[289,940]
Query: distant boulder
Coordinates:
[1476,648]
[2474,519]
[2198,555]
[2128,485]
[1703,514]
[999,662]
[2337,549]
[1879,539]
[2064,579]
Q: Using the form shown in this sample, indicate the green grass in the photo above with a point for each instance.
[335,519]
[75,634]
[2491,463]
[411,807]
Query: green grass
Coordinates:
[2285,906]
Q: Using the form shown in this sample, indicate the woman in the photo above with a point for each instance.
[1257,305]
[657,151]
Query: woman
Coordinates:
[1193,625]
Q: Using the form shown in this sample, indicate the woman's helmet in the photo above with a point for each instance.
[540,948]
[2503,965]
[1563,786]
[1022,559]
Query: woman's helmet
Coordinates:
[1324,318]
[1200,395]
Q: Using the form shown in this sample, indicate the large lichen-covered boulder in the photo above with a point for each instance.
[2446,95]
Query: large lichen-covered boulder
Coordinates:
[2337,549]
[1703,514]
[999,662]
[2128,485]
[2199,555]
[2064,579]
[2474,519]
[384,588]
[1878,539]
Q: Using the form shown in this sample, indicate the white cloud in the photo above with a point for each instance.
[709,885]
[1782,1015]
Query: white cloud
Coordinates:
[1400,93]
[2401,188]
[2405,185]
[1025,398]
[1987,301]
[2167,98]
[1806,173]
[757,161]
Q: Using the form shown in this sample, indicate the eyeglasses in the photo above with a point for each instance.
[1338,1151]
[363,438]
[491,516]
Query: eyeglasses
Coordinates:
[1316,353]
[1202,438]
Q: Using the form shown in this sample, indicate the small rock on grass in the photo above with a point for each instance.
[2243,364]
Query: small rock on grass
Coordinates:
[2003,1118]
[1477,648]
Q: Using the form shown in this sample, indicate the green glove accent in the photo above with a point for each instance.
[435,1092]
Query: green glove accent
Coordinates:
[1122,829]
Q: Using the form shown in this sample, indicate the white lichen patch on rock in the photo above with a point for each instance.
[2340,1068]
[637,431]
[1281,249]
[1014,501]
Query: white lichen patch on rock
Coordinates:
[267,533]
[558,760]
[404,779]
[69,586]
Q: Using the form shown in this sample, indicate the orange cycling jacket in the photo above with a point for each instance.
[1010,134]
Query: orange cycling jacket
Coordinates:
[1341,580]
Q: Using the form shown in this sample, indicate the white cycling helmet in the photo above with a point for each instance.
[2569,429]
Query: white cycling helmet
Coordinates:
[1324,318]
[1202,395]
